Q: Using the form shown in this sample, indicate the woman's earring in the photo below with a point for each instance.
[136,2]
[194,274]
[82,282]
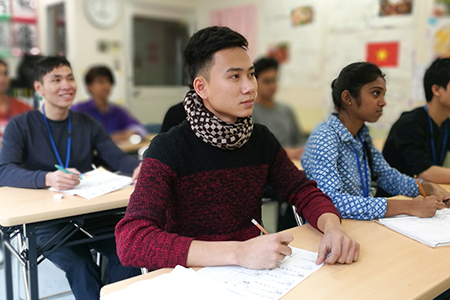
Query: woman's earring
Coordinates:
[349,102]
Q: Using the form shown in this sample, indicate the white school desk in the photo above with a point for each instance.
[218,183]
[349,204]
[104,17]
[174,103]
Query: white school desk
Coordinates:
[390,266]
[24,209]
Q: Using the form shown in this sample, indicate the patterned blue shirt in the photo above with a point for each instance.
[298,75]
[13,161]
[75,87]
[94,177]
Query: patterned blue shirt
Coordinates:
[330,159]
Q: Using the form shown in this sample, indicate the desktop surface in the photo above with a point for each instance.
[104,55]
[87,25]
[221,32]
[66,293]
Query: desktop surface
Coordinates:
[390,266]
[23,206]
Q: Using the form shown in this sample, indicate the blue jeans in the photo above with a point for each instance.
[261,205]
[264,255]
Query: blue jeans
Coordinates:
[82,272]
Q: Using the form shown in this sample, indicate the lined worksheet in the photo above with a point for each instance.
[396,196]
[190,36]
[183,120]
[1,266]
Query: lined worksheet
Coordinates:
[266,284]
[98,182]
[433,232]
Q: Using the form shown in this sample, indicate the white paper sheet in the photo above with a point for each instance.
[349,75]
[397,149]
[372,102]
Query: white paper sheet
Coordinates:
[433,232]
[266,284]
[98,182]
[181,283]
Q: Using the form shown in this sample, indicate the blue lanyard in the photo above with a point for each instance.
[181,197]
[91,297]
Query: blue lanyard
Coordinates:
[444,142]
[69,140]
[364,184]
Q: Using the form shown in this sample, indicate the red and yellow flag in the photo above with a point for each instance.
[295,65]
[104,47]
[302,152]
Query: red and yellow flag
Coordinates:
[383,54]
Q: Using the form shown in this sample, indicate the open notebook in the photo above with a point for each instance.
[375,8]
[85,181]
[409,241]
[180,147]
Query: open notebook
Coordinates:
[433,232]
[98,182]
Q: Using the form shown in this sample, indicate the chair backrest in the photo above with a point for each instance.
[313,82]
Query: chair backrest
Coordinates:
[153,127]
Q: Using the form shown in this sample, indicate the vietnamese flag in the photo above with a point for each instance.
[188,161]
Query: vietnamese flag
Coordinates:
[383,54]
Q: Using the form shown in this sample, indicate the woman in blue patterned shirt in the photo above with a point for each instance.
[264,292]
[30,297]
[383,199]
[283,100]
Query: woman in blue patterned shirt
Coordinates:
[340,155]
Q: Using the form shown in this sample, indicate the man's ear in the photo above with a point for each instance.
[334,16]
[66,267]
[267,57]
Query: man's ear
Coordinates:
[201,87]
[435,90]
[38,87]
[88,88]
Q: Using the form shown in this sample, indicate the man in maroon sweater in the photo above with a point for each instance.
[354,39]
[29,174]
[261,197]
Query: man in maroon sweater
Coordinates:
[201,183]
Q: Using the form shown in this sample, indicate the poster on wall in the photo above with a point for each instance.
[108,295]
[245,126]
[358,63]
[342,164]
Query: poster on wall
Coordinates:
[242,19]
[24,9]
[279,51]
[441,38]
[291,28]
[395,7]
[25,39]
[441,8]
[301,15]
[4,38]
[4,8]
[359,15]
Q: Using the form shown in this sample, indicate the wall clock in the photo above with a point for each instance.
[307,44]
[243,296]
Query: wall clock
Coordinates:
[102,13]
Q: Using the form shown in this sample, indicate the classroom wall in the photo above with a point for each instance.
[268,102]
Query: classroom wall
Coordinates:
[83,51]
[337,36]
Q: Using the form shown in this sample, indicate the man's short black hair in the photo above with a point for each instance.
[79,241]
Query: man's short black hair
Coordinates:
[98,71]
[47,64]
[204,43]
[438,73]
[265,63]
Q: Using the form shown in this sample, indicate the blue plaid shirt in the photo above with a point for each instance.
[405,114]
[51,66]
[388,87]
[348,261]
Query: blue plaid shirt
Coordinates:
[330,159]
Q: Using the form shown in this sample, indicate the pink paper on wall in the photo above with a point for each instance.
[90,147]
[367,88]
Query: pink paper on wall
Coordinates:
[241,19]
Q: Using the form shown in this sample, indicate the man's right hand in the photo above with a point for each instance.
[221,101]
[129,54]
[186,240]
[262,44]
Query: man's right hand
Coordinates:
[265,251]
[425,207]
[62,181]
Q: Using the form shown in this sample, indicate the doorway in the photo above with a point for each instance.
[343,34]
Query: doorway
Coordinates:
[157,36]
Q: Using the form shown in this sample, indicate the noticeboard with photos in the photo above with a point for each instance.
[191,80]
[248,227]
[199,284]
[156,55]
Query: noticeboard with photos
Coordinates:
[18,28]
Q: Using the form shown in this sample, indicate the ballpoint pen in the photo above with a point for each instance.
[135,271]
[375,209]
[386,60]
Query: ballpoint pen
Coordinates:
[67,171]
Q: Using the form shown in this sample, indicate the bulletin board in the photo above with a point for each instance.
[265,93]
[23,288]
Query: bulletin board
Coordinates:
[339,33]
[18,28]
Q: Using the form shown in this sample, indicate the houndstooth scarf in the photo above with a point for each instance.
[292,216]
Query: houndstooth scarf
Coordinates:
[213,130]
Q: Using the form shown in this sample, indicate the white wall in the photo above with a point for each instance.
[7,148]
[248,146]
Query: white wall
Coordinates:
[312,103]
[340,46]
[82,50]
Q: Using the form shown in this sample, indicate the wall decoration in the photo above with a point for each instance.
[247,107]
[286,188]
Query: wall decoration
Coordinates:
[301,15]
[441,8]
[384,54]
[395,7]
[4,8]
[101,13]
[4,38]
[24,9]
[241,19]
[279,51]
[441,45]
[292,39]
[25,38]
[18,27]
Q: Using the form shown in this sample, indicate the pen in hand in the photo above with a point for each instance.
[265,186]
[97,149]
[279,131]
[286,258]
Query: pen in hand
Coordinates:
[259,226]
[422,192]
[67,171]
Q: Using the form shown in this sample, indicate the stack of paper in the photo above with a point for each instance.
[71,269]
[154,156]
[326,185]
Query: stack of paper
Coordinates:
[98,182]
[433,232]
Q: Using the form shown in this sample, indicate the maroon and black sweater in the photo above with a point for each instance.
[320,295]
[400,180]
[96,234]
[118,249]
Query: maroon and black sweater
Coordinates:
[188,189]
